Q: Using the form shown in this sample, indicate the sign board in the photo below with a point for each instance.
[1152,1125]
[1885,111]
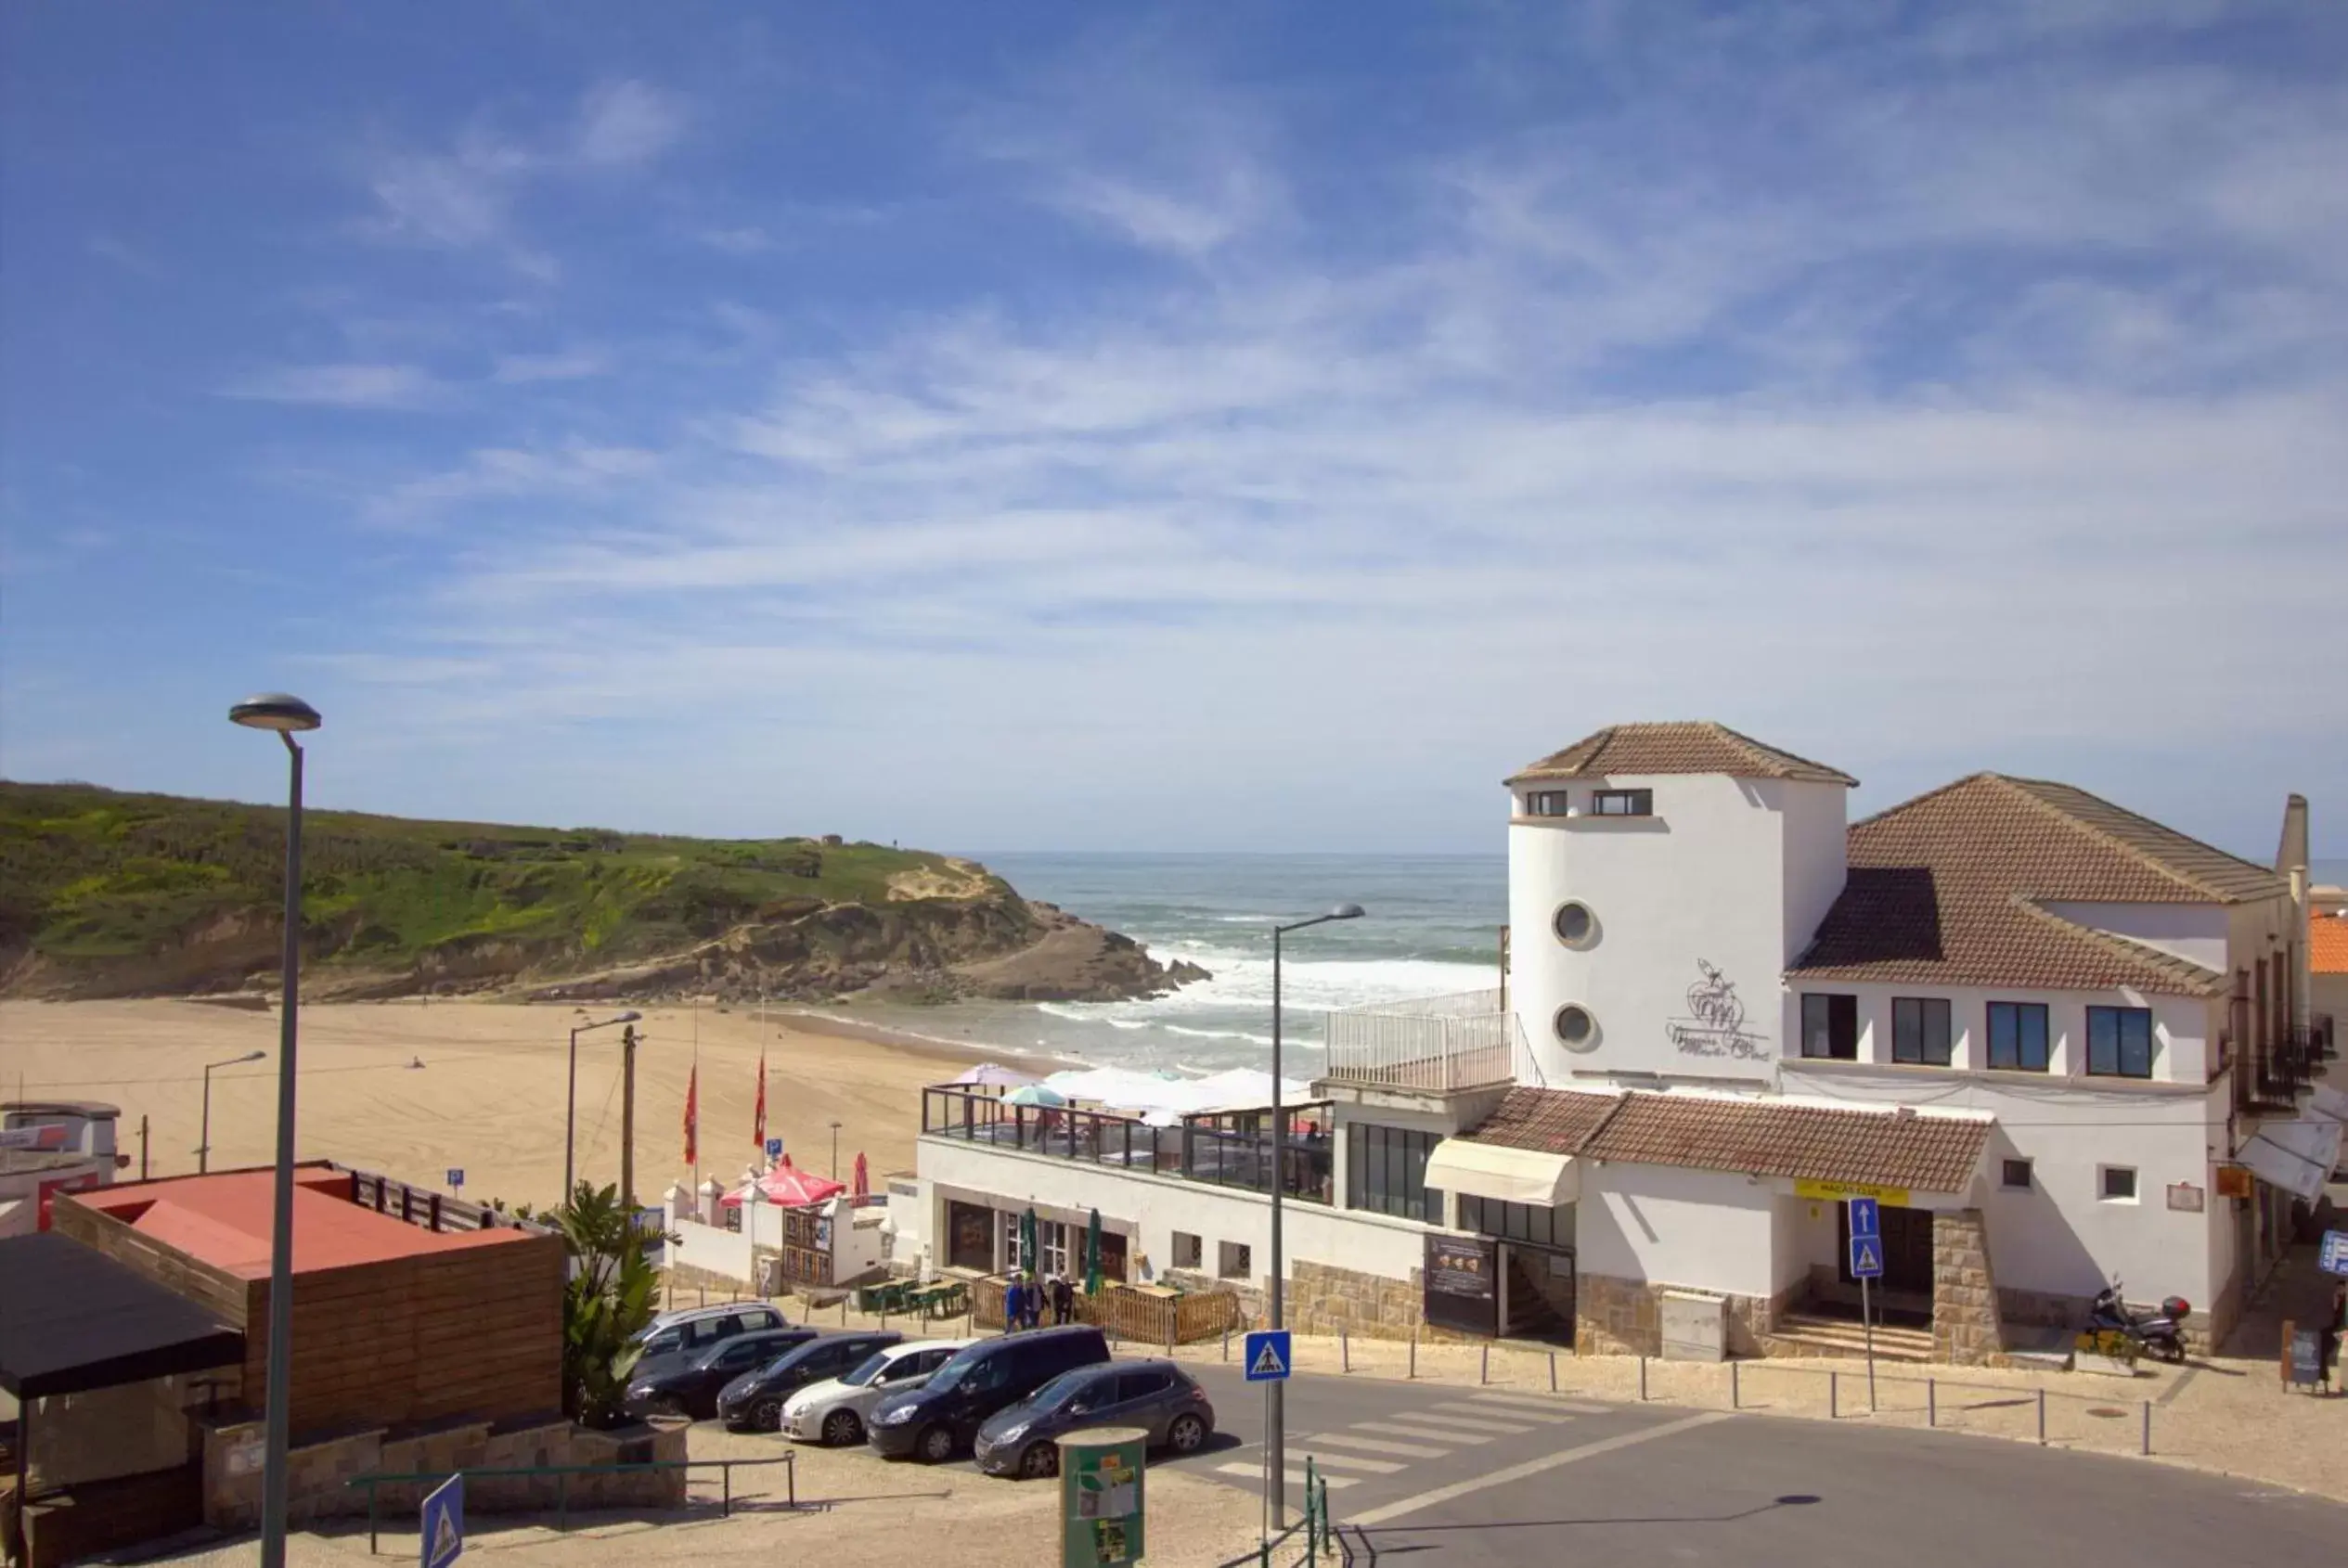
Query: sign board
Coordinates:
[2303,1357]
[774,1149]
[442,1534]
[2333,1259]
[456,1179]
[1837,1191]
[1867,1219]
[1459,1282]
[1102,1497]
[2185,1198]
[2234,1181]
[1867,1257]
[1268,1358]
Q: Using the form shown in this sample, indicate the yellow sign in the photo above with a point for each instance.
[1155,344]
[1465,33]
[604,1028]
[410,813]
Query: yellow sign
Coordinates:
[1837,1191]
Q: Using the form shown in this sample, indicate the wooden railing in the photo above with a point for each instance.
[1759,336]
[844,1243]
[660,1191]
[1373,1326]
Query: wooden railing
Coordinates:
[1141,1316]
[430,1209]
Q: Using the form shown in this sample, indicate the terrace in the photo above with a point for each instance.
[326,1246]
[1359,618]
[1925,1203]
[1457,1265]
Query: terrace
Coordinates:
[1434,1045]
[1218,1148]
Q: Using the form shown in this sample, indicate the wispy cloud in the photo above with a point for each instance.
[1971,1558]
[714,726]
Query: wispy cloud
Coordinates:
[574,365]
[341,386]
[626,125]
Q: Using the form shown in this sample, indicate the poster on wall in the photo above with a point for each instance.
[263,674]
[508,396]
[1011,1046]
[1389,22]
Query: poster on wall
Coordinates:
[1461,1283]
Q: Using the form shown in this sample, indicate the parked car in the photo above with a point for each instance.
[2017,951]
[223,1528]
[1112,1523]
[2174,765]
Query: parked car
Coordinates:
[755,1400]
[1156,1396]
[945,1413]
[834,1411]
[687,1381]
[698,1328]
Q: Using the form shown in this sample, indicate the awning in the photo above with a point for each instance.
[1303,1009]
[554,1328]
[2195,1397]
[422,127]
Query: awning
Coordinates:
[72,1318]
[1513,1176]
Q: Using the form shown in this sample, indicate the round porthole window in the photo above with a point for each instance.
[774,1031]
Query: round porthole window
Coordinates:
[1576,1027]
[1576,926]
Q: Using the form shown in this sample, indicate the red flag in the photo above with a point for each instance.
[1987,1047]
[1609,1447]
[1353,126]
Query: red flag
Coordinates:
[758,1133]
[692,1118]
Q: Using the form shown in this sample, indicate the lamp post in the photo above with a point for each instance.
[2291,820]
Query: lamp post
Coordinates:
[835,1152]
[288,715]
[204,1148]
[570,1101]
[1275,1403]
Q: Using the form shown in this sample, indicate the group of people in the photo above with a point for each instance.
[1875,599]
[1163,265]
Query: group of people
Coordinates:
[1030,1302]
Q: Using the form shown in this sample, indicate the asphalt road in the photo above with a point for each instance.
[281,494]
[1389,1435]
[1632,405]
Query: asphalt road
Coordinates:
[1427,1474]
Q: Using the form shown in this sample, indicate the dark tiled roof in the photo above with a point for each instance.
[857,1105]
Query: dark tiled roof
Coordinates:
[1952,888]
[1757,1137]
[1700,747]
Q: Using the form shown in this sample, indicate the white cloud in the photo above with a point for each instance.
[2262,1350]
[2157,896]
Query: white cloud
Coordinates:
[356,385]
[625,123]
[575,365]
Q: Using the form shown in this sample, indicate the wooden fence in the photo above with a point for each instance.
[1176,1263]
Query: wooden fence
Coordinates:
[1143,1316]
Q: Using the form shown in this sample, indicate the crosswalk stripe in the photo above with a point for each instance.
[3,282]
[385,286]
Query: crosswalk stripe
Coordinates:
[1347,1461]
[1534,1401]
[1398,1429]
[1482,1422]
[1335,1482]
[1380,1446]
[1506,1412]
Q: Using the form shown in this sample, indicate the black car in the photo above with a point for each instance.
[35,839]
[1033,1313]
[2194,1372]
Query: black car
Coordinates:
[1158,1396]
[933,1420]
[687,1383]
[754,1401]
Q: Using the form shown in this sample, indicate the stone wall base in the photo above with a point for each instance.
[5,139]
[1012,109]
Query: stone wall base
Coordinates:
[1967,1329]
[1618,1317]
[1325,1299]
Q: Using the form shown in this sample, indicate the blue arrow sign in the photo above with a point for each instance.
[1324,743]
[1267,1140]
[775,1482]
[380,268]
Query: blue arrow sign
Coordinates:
[444,1524]
[1866,1218]
[1267,1357]
[2335,1253]
[1867,1257]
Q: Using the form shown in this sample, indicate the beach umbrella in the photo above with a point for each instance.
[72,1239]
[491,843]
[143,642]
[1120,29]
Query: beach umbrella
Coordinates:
[1092,1255]
[992,1075]
[789,1185]
[1027,1240]
[863,1185]
[1034,1094]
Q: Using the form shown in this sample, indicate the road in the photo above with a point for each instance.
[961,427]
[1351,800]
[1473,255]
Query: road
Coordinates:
[1427,1474]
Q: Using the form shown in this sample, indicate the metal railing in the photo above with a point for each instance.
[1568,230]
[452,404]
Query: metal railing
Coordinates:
[1440,1043]
[563,1473]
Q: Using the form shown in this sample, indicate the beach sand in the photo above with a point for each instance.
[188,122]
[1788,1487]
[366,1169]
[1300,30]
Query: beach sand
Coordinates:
[489,1097]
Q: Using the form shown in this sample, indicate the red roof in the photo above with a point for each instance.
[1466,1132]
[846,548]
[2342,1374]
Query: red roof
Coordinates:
[224,1220]
[2327,942]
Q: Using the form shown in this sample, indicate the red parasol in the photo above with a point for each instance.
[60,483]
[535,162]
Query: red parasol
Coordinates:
[863,1188]
[790,1187]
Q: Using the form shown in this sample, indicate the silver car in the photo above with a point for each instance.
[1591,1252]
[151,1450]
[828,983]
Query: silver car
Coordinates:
[833,1412]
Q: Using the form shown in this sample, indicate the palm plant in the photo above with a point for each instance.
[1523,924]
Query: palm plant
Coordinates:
[611,1294]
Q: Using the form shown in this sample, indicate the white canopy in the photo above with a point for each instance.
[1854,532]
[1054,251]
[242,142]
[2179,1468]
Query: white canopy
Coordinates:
[1163,1100]
[1513,1176]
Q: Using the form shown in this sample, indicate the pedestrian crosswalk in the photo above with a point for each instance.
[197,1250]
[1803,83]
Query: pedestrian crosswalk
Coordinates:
[1397,1440]
[1296,1475]
[1403,1428]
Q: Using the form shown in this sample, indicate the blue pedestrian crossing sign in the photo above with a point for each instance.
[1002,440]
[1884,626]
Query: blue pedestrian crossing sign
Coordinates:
[443,1531]
[2335,1253]
[1267,1359]
[1867,1219]
[1867,1257]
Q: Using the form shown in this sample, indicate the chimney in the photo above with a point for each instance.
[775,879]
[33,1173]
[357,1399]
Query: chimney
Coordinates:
[2291,855]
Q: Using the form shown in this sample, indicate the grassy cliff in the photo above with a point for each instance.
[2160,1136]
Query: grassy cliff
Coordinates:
[103,892]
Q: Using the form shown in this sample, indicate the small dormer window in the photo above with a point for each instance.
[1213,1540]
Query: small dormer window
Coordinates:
[1623,802]
[1546,802]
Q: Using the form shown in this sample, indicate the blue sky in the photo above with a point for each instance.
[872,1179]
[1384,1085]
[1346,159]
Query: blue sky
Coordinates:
[1241,427]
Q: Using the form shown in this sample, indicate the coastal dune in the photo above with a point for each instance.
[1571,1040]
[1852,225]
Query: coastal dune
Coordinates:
[488,1098]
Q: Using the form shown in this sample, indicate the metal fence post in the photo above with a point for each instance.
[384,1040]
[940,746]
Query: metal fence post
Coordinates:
[1553,1372]
[1931,1403]
[1736,1388]
[563,1501]
[726,1508]
[1227,1341]
[370,1517]
[1834,1395]
[1643,1380]
[1414,1353]
[1484,1365]
[2042,1418]
[2148,1427]
[1344,1349]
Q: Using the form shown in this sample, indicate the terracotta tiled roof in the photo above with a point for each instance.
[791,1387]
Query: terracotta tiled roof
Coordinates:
[1701,747]
[1952,888]
[2327,943]
[1756,1137]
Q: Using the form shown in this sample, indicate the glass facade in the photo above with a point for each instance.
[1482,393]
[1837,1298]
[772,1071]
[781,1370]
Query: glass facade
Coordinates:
[1515,1222]
[1385,1171]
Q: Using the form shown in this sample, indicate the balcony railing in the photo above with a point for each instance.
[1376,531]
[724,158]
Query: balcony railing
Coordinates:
[1437,1043]
[1223,1147]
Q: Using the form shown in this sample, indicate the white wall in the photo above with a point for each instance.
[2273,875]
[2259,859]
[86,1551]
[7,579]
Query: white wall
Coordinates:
[719,1250]
[1817,831]
[2196,933]
[1708,1231]
[1148,1210]
[2183,1051]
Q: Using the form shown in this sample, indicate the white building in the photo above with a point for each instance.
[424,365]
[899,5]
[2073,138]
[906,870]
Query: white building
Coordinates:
[2056,1041]
[48,1146]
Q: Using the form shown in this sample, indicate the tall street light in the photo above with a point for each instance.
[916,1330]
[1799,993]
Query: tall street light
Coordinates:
[204,1148]
[288,715]
[570,1100]
[1275,1402]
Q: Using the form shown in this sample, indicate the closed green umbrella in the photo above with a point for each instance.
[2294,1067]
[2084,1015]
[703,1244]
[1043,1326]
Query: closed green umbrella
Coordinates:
[1092,1255]
[1028,1243]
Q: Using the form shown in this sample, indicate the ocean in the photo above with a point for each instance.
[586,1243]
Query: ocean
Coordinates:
[1432,926]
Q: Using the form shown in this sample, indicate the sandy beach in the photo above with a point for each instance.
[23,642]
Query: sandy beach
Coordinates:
[489,1096]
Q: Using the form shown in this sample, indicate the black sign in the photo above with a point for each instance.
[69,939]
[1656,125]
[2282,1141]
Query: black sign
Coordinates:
[2306,1362]
[1461,1283]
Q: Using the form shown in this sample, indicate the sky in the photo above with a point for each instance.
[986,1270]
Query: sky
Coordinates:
[1241,427]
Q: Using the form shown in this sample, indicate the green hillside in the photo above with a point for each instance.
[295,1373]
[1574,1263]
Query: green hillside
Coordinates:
[91,878]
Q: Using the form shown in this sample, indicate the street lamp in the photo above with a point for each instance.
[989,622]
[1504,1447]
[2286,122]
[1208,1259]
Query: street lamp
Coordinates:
[571,1100]
[204,1148]
[1275,1403]
[835,1152]
[288,715]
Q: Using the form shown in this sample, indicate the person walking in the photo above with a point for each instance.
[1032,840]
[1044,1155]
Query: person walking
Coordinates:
[1012,1305]
[1033,1297]
[2335,1326]
[1064,1300]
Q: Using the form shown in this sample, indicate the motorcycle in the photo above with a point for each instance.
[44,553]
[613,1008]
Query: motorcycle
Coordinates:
[2158,1332]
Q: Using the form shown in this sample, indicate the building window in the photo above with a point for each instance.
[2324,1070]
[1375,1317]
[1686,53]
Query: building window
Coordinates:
[1830,1027]
[1234,1261]
[2120,1042]
[1386,1170]
[2018,1173]
[1920,1030]
[1575,925]
[2116,1184]
[1576,1027]
[1189,1250]
[1546,802]
[1623,802]
[2018,1036]
[1513,1222]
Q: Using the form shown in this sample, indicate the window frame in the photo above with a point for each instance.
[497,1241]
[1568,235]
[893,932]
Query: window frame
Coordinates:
[2117,1055]
[2018,1012]
[1197,1249]
[1385,1171]
[1833,1002]
[1921,1044]
[1622,802]
[1590,925]
[2104,1194]
[1548,803]
[2029,1169]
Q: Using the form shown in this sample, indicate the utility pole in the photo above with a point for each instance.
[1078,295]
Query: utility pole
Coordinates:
[627,1118]
[142,1147]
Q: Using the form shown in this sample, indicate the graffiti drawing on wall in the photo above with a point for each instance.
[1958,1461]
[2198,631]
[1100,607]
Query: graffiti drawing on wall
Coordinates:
[1715,1024]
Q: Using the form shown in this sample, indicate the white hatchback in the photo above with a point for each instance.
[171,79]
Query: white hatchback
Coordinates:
[832,1412]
